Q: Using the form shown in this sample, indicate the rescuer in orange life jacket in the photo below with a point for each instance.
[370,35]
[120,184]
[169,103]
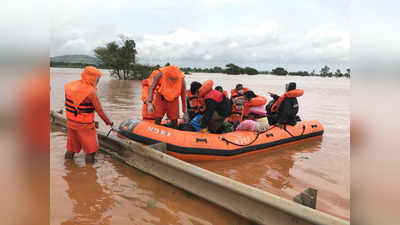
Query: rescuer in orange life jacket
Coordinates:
[172,85]
[81,102]
[283,109]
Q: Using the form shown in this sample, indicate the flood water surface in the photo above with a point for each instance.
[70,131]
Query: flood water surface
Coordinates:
[110,192]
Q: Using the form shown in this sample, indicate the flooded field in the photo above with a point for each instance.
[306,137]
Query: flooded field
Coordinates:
[110,192]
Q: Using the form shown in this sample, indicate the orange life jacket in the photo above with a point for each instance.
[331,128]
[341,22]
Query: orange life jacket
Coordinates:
[290,94]
[226,94]
[215,95]
[257,101]
[76,92]
[204,89]
[168,88]
[236,114]
[194,102]
[235,93]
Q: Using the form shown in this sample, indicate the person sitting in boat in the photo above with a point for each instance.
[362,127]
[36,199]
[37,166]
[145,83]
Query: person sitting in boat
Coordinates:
[217,108]
[252,100]
[256,120]
[172,85]
[220,89]
[193,102]
[284,109]
[242,104]
[238,91]
[237,109]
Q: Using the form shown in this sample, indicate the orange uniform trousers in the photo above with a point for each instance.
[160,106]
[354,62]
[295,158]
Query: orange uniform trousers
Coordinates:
[163,106]
[85,138]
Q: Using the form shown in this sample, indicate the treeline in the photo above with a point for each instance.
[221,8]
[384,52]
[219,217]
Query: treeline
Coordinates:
[120,57]
[230,69]
[236,70]
[324,72]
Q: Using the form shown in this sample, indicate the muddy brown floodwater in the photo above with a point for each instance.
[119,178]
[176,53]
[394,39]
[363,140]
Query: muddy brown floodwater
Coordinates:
[110,192]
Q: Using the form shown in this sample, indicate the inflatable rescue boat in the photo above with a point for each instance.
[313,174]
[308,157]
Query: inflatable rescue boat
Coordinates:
[195,146]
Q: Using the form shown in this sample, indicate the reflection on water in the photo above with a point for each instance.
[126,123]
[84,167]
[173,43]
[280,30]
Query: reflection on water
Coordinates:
[128,196]
[89,207]
[269,170]
[110,192]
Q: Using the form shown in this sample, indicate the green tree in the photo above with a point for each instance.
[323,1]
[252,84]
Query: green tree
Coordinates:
[250,71]
[119,57]
[233,69]
[167,64]
[299,73]
[218,69]
[347,74]
[338,73]
[324,72]
[279,71]
[140,72]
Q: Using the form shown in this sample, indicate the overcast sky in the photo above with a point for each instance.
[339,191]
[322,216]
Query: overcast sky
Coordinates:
[296,34]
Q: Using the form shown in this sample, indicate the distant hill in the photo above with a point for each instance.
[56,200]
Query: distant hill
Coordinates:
[83,59]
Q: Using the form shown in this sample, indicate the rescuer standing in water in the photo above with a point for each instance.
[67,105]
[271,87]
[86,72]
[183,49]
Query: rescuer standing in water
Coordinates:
[81,102]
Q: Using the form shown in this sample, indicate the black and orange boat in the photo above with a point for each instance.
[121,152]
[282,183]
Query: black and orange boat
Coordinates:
[195,146]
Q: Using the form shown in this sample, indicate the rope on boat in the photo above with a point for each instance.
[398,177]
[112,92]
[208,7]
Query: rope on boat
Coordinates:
[255,139]
[258,134]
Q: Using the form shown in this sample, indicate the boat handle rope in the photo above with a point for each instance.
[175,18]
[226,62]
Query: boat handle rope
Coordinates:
[255,139]
[258,134]
[284,128]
